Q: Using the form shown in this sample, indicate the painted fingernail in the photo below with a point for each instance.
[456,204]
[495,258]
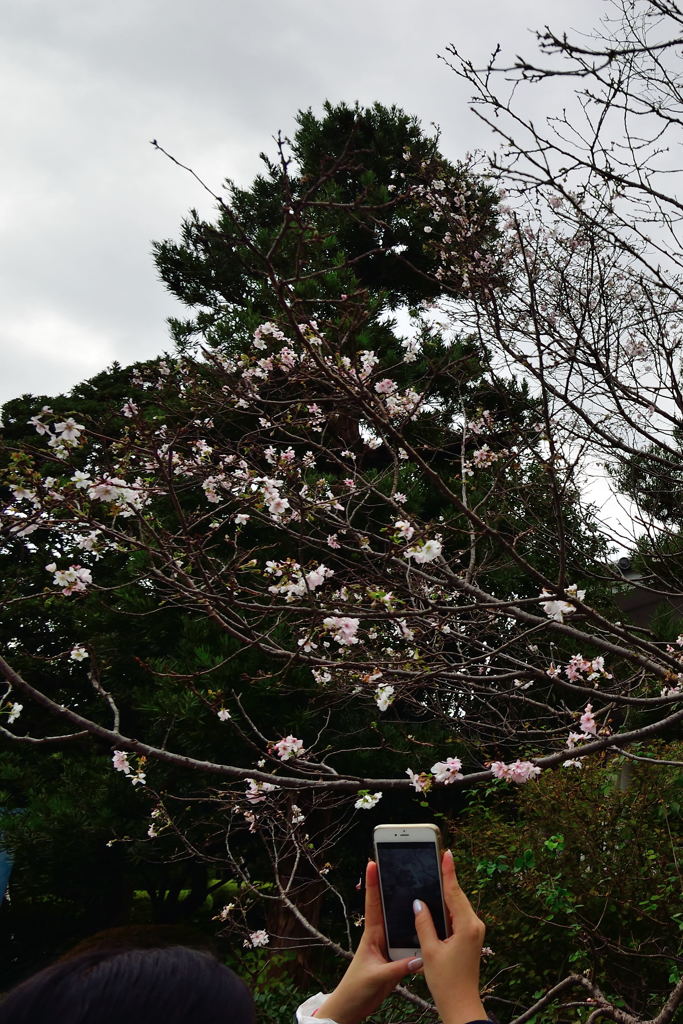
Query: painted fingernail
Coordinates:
[417,906]
[416,964]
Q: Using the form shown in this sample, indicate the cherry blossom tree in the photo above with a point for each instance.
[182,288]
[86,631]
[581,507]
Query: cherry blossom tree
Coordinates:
[427,573]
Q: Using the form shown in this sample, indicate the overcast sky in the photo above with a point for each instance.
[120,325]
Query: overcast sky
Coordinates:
[86,84]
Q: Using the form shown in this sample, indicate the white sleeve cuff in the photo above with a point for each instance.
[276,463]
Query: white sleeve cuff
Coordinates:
[304,1013]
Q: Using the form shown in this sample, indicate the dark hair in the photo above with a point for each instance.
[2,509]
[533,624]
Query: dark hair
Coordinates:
[175,985]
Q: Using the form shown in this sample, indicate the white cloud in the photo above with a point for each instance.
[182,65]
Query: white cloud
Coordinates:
[82,194]
[44,353]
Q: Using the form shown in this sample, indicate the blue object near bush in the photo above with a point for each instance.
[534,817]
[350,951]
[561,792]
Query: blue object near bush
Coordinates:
[6,862]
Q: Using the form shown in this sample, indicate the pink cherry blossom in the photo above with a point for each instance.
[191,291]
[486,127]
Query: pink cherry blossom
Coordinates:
[81,480]
[447,771]
[384,695]
[368,361]
[295,583]
[316,577]
[418,780]
[398,406]
[69,430]
[120,762]
[576,666]
[278,505]
[343,629]
[73,580]
[426,552]
[257,791]
[267,330]
[518,772]
[23,492]
[575,737]
[483,456]
[587,722]
[485,422]
[87,541]
[298,816]
[367,801]
[224,913]
[598,669]
[251,818]
[108,489]
[14,712]
[287,358]
[40,427]
[556,609]
[288,747]
[210,487]
[404,528]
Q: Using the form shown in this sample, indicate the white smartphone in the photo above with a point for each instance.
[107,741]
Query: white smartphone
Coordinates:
[409,866]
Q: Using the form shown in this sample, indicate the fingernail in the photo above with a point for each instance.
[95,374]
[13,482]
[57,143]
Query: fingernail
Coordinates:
[416,964]
[417,906]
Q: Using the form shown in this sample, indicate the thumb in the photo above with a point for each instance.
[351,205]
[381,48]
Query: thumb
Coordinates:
[424,925]
[397,969]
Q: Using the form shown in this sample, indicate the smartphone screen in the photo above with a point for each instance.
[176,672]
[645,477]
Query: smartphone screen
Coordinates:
[409,871]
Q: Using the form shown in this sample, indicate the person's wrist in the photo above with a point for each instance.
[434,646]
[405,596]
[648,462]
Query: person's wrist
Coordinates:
[465,1011]
[336,1007]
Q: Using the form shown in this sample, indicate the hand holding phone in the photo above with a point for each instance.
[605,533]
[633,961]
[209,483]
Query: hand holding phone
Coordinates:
[451,966]
[370,977]
[451,962]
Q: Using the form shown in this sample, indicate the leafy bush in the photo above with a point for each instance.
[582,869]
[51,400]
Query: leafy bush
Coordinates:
[579,872]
